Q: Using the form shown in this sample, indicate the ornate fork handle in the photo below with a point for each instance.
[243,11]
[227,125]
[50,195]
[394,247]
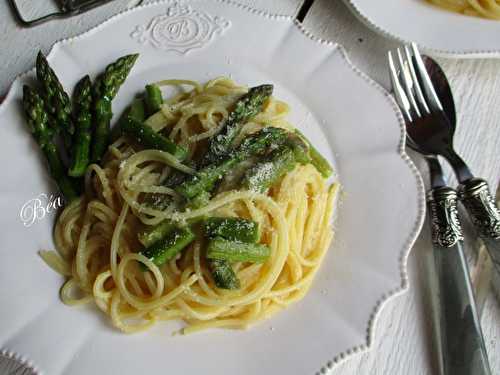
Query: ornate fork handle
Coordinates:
[476,196]
[446,228]
[478,200]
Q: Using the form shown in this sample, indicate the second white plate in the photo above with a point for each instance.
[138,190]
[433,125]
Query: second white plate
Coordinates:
[436,30]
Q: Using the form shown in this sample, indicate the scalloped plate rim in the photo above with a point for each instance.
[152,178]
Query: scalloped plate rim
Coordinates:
[397,290]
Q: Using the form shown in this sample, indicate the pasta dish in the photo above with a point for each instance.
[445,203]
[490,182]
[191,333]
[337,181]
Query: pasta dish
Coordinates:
[205,206]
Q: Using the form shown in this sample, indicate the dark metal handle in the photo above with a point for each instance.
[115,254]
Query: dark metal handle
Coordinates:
[462,347]
[463,351]
[476,196]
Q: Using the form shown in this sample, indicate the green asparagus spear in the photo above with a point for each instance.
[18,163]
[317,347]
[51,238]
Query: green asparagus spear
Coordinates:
[169,246]
[115,74]
[256,144]
[38,121]
[153,99]
[265,173]
[153,234]
[161,202]
[135,110]
[105,89]
[300,149]
[230,228]
[81,142]
[247,107]
[57,102]
[234,229]
[223,274]
[148,138]
[317,160]
[233,251]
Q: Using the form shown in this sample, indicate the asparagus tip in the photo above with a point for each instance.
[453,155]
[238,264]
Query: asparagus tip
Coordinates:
[264,91]
[133,57]
[40,55]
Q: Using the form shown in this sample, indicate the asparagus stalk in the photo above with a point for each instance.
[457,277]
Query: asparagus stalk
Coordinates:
[105,89]
[81,142]
[57,102]
[169,246]
[38,122]
[233,179]
[234,229]
[160,201]
[317,160]
[223,274]
[253,145]
[247,107]
[153,99]
[154,233]
[234,251]
[231,229]
[136,110]
[148,138]
[300,149]
[176,177]
[151,235]
[267,172]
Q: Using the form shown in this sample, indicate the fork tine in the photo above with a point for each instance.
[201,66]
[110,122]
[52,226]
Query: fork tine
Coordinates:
[407,82]
[416,85]
[399,93]
[425,80]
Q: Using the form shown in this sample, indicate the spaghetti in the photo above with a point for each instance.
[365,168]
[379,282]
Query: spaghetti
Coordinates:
[96,235]
[480,8]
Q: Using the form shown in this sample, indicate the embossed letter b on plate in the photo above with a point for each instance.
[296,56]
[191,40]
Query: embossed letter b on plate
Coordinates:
[180,29]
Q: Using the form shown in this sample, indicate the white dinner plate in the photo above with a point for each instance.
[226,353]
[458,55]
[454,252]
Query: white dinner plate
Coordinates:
[350,118]
[436,30]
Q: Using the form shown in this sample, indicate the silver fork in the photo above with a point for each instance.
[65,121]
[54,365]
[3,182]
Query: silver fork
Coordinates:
[462,348]
[434,120]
